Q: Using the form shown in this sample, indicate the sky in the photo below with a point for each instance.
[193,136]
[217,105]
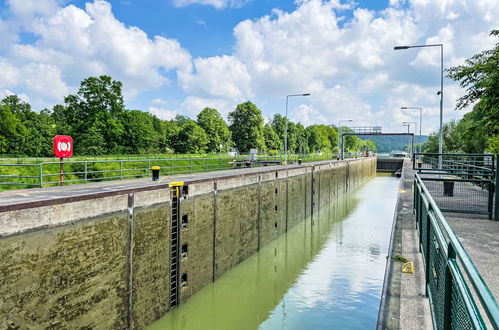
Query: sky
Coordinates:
[179,56]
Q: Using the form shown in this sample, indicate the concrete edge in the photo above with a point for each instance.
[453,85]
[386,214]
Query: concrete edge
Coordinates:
[387,293]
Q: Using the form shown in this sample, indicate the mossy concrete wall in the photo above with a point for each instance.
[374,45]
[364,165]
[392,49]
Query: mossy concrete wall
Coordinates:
[105,262]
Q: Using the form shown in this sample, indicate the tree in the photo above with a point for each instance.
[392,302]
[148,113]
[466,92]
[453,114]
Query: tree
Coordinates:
[139,131]
[272,141]
[301,141]
[246,125]
[97,113]
[216,129]
[480,76]
[452,138]
[25,132]
[190,138]
[12,130]
[318,138]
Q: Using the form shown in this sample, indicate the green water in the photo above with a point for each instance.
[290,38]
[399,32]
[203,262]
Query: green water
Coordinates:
[325,273]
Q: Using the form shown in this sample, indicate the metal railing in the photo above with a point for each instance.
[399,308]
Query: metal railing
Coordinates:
[13,176]
[460,183]
[469,166]
[452,304]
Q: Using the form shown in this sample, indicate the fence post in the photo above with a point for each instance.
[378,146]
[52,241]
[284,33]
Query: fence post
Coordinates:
[451,254]
[41,175]
[427,249]
[86,167]
[496,185]
[121,170]
[149,168]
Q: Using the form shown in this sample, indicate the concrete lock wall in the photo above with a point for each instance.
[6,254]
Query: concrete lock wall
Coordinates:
[104,262]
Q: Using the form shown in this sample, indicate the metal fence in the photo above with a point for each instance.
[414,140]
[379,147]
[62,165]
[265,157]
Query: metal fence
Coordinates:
[446,263]
[468,166]
[460,183]
[14,176]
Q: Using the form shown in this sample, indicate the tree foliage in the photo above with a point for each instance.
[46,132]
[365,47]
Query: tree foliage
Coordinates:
[217,130]
[480,76]
[98,121]
[246,125]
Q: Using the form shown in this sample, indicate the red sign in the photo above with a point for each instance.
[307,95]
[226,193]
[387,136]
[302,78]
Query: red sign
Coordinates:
[63,146]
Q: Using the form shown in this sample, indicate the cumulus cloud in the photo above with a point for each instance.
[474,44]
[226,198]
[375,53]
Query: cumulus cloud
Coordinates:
[349,64]
[75,43]
[163,113]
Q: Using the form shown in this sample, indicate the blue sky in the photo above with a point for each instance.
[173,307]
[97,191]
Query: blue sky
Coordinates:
[178,56]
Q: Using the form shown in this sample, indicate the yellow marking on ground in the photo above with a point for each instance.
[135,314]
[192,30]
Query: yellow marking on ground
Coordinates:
[402,191]
[408,268]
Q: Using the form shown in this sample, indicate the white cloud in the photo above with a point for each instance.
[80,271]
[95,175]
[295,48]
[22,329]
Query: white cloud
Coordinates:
[6,92]
[219,4]
[75,43]
[162,113]
[219,76]
[158,101]
[347,67]
[192,105]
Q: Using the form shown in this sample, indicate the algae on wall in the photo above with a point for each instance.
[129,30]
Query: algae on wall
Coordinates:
[69,277]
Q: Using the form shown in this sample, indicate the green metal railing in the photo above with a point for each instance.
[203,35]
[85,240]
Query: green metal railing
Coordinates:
[15,176]
[446,261]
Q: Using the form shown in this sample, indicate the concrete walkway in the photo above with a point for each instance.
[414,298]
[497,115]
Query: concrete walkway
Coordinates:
[480,238]
[404,304]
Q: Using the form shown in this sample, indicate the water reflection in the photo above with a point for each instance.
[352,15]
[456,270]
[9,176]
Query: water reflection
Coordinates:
[326,272]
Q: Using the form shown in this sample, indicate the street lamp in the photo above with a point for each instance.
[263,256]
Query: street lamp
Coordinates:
[408,126]
[441,92]
[420,121]
[340,138]
[286,131]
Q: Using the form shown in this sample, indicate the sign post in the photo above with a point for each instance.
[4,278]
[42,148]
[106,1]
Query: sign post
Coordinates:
[63,148]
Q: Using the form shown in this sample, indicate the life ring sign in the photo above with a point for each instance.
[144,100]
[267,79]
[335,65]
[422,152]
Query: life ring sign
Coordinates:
[63,146]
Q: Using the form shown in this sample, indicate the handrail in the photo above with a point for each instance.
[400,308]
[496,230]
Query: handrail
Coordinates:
[483,292]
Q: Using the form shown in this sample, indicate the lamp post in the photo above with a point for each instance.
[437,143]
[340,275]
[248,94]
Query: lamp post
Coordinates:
[340,138]
[441,92]
[408,125]
[420,120]
[286,131]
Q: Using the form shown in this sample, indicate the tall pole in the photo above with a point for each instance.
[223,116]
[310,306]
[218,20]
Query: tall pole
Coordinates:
[441,92]
[286,134]
[420,121]
[286,129]
[440,142]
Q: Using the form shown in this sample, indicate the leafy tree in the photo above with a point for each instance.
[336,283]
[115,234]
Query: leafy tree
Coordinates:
[190,138]
[246,125]
[318,138]
[30,133]
[139,131]
[480,76]
[216,128]
[12,130]
[272,141]
[97,110]
[301,139]
[452,139]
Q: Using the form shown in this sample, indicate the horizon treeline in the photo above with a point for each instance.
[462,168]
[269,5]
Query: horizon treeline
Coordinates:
[100,124]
